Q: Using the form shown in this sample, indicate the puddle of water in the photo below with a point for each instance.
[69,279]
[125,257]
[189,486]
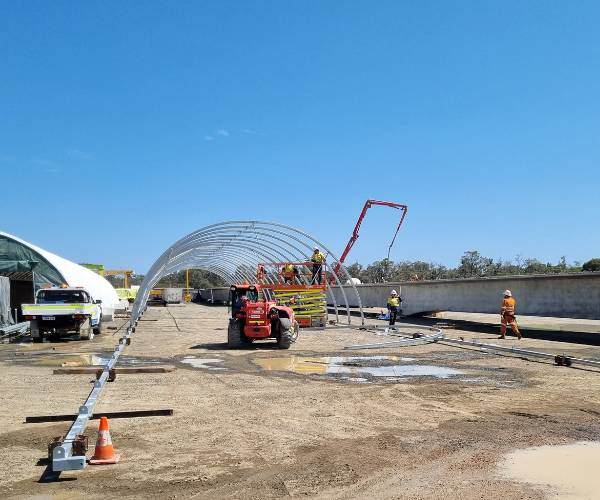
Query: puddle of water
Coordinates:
[70,360]
[74,360]
[355,366]
[128,360]
[359,380]
[567,471]
[203,362]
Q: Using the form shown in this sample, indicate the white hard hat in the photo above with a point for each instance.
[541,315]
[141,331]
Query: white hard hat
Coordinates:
[394,292]
[316,249]
[508,293]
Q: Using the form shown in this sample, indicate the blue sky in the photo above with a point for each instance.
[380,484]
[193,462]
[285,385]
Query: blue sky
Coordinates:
[125,125]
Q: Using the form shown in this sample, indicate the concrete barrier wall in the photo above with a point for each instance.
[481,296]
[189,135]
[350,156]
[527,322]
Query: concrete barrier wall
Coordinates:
[565,296]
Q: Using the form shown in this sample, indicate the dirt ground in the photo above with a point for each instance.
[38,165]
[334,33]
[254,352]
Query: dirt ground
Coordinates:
[242,430]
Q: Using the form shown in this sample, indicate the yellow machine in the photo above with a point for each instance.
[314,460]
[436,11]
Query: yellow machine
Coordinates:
[126,273]
[292,284]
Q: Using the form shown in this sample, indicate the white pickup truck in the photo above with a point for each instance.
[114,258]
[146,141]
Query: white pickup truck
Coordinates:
[60,312]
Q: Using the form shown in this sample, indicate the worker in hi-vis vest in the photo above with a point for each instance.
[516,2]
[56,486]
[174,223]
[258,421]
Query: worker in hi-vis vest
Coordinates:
[317,260]
[289,272]
[394,305]
[507,315]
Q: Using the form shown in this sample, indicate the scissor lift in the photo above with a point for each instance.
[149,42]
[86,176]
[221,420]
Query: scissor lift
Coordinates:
[297,290]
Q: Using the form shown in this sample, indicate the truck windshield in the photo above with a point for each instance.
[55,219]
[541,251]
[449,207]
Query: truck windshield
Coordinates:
[62,296]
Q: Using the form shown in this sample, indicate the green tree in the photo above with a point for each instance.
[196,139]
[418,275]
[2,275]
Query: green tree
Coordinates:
[406,270]
[198,279]
[473,264]
[592,265]
[380,271]
[355,270]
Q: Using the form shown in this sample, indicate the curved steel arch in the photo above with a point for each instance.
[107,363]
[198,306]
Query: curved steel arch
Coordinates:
[233,249]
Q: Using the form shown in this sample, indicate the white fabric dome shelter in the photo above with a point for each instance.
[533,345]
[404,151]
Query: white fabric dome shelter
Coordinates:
[65,271]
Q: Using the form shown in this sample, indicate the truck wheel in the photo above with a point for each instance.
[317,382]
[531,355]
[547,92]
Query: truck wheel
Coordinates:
[286,334]
[36,335]
[234,334]
[87,332]
[98,328]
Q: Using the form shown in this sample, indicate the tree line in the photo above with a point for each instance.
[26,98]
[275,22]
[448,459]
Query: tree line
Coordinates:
[198,279]
[472,265]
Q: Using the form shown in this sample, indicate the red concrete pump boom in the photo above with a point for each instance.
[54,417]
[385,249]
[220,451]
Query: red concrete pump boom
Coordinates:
[354,237]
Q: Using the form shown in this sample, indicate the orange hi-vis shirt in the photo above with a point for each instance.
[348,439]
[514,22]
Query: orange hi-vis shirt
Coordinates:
[509,306]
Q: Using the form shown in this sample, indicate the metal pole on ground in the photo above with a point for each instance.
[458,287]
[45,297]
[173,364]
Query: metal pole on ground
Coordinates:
[559,359]
[62,455]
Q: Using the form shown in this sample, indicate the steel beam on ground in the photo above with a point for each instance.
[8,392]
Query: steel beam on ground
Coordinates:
[62,455]
[521,352]
[434,335]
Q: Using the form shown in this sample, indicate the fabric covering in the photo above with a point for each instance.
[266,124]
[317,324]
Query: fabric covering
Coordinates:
[48,268]
[16,256]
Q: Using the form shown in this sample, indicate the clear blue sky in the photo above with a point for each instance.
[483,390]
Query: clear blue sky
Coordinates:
[148,120]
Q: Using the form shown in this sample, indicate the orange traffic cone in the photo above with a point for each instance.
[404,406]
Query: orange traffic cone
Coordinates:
[104,453]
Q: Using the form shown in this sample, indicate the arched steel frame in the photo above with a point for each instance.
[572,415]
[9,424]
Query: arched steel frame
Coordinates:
[233,249]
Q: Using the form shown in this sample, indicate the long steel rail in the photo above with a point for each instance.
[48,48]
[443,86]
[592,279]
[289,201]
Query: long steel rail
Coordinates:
[562,359]
[438,337]
[434,335]
[62,455]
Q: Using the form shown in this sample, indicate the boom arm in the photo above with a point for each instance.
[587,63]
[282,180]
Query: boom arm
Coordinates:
[354,237]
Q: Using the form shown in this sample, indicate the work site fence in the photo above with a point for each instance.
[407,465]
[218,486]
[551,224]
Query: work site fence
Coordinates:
[234,249]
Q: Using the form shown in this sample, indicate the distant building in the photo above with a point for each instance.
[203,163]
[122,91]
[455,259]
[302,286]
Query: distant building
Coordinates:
[30,268]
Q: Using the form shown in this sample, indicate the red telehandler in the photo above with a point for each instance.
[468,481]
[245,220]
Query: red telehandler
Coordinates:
[254,317]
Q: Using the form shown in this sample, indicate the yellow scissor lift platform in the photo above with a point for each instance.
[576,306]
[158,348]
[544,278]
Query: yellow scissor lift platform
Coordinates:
[298,286]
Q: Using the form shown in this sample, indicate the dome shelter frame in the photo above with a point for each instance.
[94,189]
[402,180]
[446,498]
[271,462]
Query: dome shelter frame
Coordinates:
[232,250]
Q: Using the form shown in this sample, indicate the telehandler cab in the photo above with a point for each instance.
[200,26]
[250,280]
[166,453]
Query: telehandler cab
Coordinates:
[254,317]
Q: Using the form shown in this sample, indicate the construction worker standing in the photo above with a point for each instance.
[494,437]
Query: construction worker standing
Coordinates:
[507,315]
[260,273]
[317,260]
[394,306]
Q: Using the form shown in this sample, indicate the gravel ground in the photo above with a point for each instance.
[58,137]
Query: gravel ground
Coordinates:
[240,430]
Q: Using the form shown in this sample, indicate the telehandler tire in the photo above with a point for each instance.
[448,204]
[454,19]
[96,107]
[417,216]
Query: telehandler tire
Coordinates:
[234,334]
[286,334]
